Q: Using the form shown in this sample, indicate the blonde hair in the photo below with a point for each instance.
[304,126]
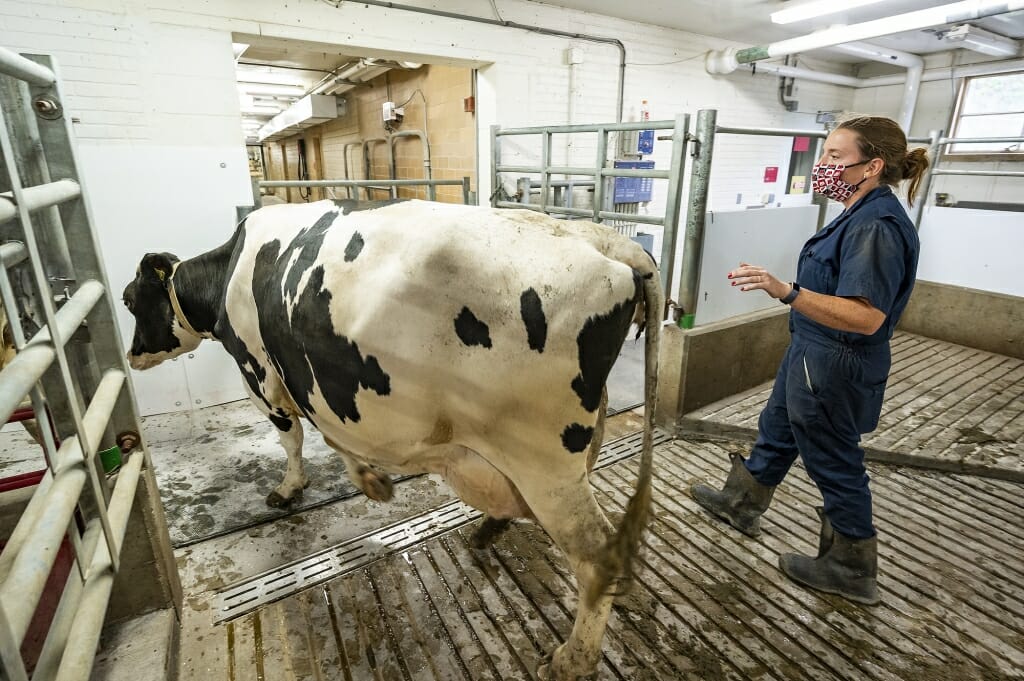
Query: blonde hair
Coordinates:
[881,137]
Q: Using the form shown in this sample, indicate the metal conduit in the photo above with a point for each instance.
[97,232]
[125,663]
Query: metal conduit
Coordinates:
[83,640]
[393,137]
[38,197]
[16,66]
[23,587]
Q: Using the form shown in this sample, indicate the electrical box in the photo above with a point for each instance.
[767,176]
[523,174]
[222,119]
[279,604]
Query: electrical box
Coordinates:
[393,113]
[633,189]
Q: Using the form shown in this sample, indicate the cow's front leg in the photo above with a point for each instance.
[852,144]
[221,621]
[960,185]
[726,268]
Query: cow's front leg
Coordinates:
[289,430]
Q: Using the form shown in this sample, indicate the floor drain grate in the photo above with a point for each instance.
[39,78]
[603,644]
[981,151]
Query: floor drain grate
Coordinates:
[252,593]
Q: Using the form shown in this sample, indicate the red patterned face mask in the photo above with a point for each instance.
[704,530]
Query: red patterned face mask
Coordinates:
[827,180]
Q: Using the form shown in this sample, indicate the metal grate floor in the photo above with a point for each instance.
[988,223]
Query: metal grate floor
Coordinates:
[947,406]
[710,603]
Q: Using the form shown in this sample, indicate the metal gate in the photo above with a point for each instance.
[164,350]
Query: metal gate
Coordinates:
[71,363]
[679,128]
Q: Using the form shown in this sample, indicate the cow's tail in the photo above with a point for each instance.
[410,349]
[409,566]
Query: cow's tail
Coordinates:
[615,569]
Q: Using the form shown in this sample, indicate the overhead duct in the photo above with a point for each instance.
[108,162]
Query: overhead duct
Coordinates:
[728,60]
[309,111]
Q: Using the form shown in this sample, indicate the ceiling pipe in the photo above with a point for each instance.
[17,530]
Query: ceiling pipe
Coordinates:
[911,85]
[943,73]
[728,60]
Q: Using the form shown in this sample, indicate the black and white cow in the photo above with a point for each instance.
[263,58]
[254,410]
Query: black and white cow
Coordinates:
[425,337]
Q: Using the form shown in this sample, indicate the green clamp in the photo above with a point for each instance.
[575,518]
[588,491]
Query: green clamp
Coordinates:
[686,321]
[111,459]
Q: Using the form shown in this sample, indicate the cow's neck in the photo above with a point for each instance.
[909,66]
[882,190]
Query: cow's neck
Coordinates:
[199,285]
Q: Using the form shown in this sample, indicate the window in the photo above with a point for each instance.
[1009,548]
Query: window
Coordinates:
[989,106]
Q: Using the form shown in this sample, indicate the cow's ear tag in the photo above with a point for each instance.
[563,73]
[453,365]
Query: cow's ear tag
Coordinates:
[160,273]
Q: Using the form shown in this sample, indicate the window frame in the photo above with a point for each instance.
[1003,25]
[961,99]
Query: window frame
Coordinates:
[985,156]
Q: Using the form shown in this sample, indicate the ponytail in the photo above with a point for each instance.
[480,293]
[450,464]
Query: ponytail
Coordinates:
[914,166]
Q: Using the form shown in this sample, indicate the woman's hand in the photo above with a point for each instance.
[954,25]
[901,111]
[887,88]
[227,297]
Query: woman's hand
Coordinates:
[751,277]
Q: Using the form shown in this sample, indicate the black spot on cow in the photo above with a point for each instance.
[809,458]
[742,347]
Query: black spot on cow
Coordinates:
[308,243]
[303,345]
[252,371]
[534,319]
[577,437]
[471,330]
[354,248]
[599,342]
[283,423]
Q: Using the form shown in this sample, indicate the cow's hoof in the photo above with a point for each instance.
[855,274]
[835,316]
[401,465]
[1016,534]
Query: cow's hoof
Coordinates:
[553,667]
[275,500]
[544,668]
[375,485]
[489,530]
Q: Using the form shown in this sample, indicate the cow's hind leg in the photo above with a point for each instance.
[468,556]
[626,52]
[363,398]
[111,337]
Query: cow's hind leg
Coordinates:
[571,516]
[289,430]
[490,529]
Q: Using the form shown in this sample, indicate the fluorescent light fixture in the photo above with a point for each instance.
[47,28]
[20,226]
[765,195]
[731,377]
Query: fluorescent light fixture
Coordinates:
[818,8]
[979,40]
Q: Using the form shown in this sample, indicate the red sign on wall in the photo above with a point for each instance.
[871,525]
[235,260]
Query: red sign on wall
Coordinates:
[771,174]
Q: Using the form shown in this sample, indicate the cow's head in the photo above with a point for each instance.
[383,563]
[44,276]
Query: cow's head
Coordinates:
[159,334]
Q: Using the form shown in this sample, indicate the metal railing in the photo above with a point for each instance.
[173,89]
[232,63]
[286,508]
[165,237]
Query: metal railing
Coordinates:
[393,185]
[51,273]
[937,144]
[598,173]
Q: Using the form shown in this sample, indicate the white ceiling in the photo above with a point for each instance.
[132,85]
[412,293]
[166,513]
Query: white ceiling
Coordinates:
[749,20]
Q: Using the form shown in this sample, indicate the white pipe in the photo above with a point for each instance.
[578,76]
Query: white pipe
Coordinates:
[728,60]
[942,73]
[807,74]
[911,85]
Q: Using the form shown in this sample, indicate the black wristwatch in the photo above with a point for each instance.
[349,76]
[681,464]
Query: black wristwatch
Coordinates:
[791,296]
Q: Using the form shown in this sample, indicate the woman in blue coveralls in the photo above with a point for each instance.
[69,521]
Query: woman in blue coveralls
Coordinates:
[853,281]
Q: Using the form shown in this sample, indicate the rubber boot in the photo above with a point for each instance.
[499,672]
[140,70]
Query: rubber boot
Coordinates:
[844,566]
[740,503]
